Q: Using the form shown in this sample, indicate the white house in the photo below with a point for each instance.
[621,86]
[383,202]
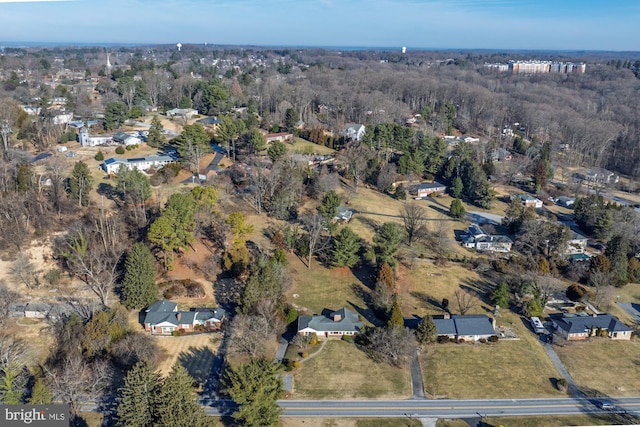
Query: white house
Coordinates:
[113,164]
[126,139]
[353,131]
[62,118]
[87,140]
[182,112]
[330,324]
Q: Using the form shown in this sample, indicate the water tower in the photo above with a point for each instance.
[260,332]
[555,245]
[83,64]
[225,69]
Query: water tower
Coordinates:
[404,49]
[179,46]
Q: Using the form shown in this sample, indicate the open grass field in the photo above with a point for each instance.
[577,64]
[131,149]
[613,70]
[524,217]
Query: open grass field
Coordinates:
[342,371]
[302,146]
[552,421]
[507,369]
[349,422]
[604,367]
[195,352]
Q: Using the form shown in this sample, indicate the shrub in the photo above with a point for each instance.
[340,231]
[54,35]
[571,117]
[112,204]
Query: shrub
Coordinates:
[483,340]
[493,338]
[562,384]
[53,276]
[453,340]
[460,340]
[181,331]
[304,354]
[292,315]
[174,333]
[99,156]
[120,150]
[199,328]
[443,340]
[314,339]
[347,338]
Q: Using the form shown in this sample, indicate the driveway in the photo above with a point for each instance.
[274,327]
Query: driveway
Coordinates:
[483,218]
[573,387]
[632,308]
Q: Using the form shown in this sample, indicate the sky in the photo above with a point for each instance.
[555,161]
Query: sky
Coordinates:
[436,24]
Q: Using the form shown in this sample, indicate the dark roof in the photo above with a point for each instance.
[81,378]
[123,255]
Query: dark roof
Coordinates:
[162,306]
[209,121]
[465,325]
[41,156]
[348,322]
[430,185]
[582,322]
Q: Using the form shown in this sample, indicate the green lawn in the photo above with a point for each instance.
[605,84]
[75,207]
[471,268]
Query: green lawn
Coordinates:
[503,370]
[342,371]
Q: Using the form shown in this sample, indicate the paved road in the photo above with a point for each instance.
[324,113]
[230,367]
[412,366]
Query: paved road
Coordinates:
[483,218]
[444,408]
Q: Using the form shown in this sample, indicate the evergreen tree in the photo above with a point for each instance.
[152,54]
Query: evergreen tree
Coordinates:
[156,138]
[329,206]
[25,177]
[501,295]
[385,275]
[345,248]
[457,209]
[192,144]
[138,399]
[617,251]
[176,404]
[257,140]
[40,394]
[387,241]
[291,118]
[277,150]
[395,318]
[139,287]
[456,188]
[81,183]
[426,332]
[255,386]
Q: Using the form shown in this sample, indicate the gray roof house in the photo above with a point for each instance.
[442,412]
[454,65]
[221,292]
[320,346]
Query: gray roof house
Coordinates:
[353,131]
[330,324]
[469,328]
[580,326]
[163,318]
[478,239]
[343,214]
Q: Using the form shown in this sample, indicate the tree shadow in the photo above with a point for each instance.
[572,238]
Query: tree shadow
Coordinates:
[366,313]
[439,209]
[196,362]
[427,300]
[368,222]
[106,189]
[366,275]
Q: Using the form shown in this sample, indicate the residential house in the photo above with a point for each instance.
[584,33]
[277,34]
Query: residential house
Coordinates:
[353,131]
[62,118]
[580,326]
[577,244]
[600,176]
[565,201]
[478,239]
[330,324]
[87,140]
[113,164]
[280,136]
[181,112]
[468,327]
[427,189]
[35,310]
[210,123]
[528,200]
[163,318]
[500,155]
[343,214]
[124,138]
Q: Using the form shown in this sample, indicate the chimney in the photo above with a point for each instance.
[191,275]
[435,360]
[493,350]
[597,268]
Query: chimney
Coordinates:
[178,316]
[337,317]
[447,316]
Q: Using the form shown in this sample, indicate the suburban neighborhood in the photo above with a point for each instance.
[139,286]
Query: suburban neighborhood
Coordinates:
[211,225]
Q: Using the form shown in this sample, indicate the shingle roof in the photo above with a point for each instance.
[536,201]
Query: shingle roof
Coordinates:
[348,322]
[162,305]
[465,325]
[582,322]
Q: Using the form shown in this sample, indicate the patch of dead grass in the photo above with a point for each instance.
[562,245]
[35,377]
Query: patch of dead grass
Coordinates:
[605,366]
[342,371]
[503,370]
[195,352]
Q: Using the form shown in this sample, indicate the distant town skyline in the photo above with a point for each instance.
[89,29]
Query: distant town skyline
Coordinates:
[437,24]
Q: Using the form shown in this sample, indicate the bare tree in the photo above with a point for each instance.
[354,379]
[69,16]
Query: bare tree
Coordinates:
[7,299]
[314,223]
[24,271]
[76,381]
[356,156]
[414,220]
[465,301]
[96,267]
[391,345]
[248,334]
